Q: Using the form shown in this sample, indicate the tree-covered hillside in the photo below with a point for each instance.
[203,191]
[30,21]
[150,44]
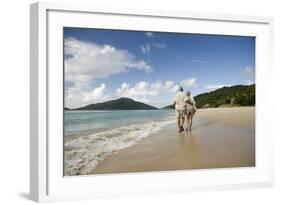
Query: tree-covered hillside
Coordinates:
[238,95]
[119,104]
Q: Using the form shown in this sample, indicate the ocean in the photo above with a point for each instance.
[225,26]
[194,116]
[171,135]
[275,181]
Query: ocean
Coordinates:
[91,136]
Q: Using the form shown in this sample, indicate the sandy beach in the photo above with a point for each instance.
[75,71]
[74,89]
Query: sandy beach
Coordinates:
[220,138]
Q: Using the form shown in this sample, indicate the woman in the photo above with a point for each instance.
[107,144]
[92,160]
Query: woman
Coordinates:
[190,109]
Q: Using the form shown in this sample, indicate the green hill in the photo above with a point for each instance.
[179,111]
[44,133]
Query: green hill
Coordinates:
[238,95]
[119,104]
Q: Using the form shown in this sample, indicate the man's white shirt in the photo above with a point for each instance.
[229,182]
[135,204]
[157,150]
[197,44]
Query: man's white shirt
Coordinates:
[180,100]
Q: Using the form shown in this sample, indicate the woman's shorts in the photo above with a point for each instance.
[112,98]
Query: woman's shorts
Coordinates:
[190,111]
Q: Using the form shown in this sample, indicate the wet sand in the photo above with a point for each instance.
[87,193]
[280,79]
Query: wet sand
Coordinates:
[220,138]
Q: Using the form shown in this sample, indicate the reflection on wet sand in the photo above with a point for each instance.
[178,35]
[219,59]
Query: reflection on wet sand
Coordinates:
[188,149]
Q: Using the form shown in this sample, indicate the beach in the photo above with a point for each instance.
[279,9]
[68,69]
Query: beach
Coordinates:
[220,138]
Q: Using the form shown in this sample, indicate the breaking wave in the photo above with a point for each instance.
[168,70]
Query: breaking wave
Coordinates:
[83,154]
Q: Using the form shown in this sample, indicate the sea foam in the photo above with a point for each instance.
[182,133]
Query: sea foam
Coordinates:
[83,154]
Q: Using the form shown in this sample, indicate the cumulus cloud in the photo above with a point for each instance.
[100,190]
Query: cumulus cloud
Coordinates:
[87,61]
[96,94]
[76,97]
[175,88]
[189,83]
[149,46]
[142,90]
[146,92]
[168,85]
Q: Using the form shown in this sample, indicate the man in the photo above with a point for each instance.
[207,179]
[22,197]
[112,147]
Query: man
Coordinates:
[190,109]
[180,107]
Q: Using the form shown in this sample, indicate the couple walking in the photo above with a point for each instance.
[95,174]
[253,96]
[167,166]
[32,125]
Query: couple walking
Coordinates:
[185,107]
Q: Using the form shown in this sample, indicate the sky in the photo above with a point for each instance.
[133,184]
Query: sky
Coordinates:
[102,65]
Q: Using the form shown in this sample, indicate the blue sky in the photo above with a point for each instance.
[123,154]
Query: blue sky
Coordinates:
[101,65]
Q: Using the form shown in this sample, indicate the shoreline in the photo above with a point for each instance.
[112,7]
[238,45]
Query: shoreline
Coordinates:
[221,138]
[83,152]
[222,106]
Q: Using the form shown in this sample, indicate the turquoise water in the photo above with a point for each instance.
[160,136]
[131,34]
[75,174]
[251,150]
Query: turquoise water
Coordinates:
[92,136]
[80,121]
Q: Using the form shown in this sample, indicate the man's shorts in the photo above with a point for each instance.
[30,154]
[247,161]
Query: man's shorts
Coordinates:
[180,113]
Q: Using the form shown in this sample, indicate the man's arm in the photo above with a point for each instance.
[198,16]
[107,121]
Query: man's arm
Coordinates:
[174,100]
[189,100]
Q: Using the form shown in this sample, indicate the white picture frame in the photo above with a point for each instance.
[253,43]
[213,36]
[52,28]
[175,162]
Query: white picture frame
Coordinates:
[46,178]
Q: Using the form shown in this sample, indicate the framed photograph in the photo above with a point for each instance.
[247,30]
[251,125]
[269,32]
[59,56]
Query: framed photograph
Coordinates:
[130,102]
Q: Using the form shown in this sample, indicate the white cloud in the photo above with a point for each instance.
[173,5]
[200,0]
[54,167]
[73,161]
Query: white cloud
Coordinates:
[141,89]
[175,88]
[77,97]
[150,34]
[159,45]
[198,61]
[144,90]
[145,48]
[149,46]
[249,72]
[168,85]
[189,83]
[249,82]
[87,61]
[95,95]
[214,87]
[140,65]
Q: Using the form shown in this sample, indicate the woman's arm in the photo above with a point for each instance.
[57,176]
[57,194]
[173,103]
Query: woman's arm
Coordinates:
[193,101]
